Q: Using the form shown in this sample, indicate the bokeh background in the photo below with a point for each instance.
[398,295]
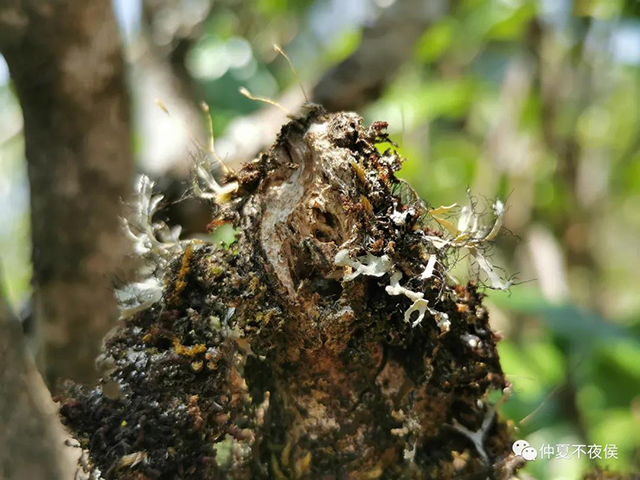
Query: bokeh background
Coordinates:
[533,101]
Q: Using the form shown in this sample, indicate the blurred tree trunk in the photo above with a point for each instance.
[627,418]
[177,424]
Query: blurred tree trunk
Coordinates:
[31,437]
[65,61]
[386,46]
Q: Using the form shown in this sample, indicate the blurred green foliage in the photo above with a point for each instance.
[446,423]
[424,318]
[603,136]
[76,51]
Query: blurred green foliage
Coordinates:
[602,360]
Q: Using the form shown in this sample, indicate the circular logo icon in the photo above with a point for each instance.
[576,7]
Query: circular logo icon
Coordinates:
[519,446]
[529,453]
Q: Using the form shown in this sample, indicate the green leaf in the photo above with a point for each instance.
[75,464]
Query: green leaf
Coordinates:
[580,327]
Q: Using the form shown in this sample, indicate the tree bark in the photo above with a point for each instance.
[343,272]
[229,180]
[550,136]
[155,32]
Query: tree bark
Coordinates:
[65,62]
[31,437]
[314,347]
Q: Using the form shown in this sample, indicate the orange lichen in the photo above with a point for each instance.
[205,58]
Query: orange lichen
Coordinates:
[303,465]
[188,351]
[181,282]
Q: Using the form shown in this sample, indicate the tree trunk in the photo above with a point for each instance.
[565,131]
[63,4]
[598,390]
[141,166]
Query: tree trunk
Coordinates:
[65,61]
[31,437]
[315,347]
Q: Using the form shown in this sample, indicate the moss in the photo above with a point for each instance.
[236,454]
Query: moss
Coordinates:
[215,271]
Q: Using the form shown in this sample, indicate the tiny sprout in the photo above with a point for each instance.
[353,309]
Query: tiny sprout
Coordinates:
[132,459]
[205,186]
[428,270]
[246,93]
[202,167]
[278,49]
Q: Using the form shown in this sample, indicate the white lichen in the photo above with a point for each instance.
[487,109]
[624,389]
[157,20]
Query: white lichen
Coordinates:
[472,340]
[442,320]
[478,437]
[138,296]
[399,218]
[152,240]
[377,267]
[409,453]
[203,183]
[471,235]
[367,265]
[420,304]
[428,270]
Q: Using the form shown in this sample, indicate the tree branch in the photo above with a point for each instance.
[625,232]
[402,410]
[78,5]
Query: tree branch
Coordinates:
[294,352]
[31,437]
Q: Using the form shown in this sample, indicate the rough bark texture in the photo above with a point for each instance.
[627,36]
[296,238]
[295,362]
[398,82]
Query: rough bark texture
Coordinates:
[65,61]
[289,354]
[31,437]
